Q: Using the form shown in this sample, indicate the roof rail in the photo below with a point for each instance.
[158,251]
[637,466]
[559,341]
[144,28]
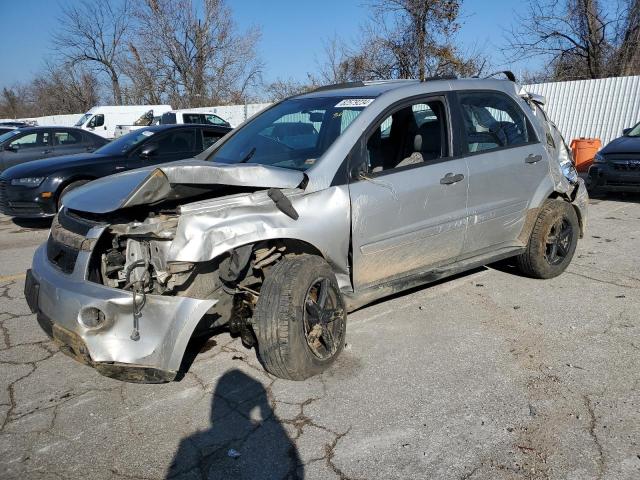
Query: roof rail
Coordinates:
[335,86]
[440,77]
[507,73]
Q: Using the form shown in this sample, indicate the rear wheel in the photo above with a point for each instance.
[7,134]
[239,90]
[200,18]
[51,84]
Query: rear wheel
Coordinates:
[553,241]
[300,318]
[67,189]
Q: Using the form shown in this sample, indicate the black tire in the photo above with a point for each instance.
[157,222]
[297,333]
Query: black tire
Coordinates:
[299,336]
[67,189]
[552,242]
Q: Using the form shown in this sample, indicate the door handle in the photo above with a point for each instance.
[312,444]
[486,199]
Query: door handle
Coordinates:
[533,159]
[119,168]
[450,179]
[46,151]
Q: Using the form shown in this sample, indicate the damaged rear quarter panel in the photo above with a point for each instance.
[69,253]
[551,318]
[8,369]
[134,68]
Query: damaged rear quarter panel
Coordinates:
[209,228]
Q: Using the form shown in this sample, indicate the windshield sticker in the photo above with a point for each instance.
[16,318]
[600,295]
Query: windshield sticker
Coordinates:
[310,161]
[147,133]
[354,102]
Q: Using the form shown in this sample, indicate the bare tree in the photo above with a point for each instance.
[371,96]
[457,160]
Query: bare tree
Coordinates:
[628,55]
[403,39]
[63,90]
[13,103]
[195,52]
[575,35]
[93,34]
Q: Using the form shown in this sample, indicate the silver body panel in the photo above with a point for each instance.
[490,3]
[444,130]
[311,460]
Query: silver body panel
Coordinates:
[393,224]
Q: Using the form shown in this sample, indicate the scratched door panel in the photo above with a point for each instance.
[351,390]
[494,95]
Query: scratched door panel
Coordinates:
[407,220]
[501,186]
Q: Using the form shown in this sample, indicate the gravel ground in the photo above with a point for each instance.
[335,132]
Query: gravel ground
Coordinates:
[485,376]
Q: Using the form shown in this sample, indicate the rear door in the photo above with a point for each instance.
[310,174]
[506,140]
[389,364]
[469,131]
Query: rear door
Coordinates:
[70,142]
[507,164]
[409,199]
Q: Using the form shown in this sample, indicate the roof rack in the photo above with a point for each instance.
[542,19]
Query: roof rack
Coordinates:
[365,83]
[440,77]
[507,73]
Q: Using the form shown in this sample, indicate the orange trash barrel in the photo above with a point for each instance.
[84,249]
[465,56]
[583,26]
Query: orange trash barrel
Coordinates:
[584,149]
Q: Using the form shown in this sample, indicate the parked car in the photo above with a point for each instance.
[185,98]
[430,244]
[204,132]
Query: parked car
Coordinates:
[36,189]
[33,143]
[186,116]
[150,117]
[102,120]
[279,238]
[616,167]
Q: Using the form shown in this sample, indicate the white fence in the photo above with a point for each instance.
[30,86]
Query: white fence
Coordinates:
[592,108]
[51,120]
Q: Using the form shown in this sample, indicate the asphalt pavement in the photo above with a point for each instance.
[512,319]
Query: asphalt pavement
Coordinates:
[489,375]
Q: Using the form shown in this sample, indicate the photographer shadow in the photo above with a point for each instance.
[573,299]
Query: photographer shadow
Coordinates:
[244,441]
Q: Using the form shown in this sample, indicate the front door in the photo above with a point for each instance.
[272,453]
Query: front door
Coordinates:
[31,145]
[507,164]
[177,144]
[408,202]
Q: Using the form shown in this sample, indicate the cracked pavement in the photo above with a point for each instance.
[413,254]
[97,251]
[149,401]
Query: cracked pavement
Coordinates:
[485,376]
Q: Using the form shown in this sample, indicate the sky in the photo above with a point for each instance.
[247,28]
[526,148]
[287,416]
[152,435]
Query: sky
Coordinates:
[293,32]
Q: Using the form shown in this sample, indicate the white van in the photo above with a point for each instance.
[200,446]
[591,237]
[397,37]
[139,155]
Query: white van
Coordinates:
[102,120]
[192,116]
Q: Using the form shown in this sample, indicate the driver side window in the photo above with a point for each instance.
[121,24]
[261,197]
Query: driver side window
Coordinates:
[493,120]
[97,121]
[412,135]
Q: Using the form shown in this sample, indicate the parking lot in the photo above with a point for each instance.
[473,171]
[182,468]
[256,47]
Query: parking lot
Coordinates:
[488,375]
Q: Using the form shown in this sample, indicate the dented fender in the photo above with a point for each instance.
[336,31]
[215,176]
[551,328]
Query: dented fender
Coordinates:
[210,228]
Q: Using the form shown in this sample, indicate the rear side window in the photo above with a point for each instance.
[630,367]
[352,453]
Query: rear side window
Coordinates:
[179,141]
[67,138]
[214,119]
[168,118]
[192,118]
[209,138]
[493,120]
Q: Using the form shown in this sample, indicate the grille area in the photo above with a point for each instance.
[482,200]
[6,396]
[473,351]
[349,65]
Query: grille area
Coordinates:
[627,166]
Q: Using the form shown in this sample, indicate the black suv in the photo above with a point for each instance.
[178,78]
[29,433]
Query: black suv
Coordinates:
[616,168]
[35,189]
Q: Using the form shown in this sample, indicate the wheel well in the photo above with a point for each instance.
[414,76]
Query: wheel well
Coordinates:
[69,181]
[562,196]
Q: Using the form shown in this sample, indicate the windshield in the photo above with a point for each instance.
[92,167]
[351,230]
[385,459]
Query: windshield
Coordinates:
[8,135]
[125,142]
[635,131]
[292,134]
[83,119]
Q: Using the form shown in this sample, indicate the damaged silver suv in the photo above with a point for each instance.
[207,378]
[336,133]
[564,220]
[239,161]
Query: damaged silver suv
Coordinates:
[318,205]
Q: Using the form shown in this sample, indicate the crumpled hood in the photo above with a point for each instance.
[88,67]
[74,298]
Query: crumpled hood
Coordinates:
[157,183]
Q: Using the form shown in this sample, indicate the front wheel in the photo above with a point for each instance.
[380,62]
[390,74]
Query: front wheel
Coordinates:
[553,241]
[300,318]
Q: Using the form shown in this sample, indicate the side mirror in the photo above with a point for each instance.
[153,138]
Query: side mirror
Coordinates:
[149,150]
[626,131]
[12,148]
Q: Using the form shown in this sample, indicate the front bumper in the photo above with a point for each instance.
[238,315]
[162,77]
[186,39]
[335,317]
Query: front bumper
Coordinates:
[17,201]
[614,177]
[166,323]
